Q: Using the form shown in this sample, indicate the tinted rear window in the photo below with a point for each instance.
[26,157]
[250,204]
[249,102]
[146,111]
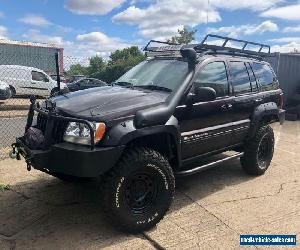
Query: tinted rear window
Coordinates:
[252,77]
[264,75]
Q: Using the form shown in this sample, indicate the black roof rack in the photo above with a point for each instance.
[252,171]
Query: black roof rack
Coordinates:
[205,48]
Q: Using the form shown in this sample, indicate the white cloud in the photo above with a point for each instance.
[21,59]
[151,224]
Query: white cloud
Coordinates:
[286,48]
[3,32]
[286,40]
[163,18]
[98,43]
[254,5]
[235,31]
[85,45]
[35,20]
[92,7]
[290,12]
[293,29]
[36,36]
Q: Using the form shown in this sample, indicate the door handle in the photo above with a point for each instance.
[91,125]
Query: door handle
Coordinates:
[224,107]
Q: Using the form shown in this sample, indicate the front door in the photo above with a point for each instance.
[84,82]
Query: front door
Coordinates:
[206,126]
[39,84]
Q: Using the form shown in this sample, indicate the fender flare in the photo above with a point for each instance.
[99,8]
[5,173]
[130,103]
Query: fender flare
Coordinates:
[262,111]
[125,132]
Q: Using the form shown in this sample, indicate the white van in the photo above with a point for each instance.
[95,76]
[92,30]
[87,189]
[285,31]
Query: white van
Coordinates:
[25,80]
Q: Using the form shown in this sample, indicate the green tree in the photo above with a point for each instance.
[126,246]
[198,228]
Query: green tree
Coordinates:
[121,61]
[184,36]
[77,69]
[96,67]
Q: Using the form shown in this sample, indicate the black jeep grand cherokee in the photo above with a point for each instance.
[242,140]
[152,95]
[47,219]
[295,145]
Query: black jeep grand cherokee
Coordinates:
[182,104]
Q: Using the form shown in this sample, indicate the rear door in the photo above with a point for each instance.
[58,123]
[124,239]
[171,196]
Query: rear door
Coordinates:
[245,95]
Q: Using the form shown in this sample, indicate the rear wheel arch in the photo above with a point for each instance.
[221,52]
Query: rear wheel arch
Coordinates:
[263,114]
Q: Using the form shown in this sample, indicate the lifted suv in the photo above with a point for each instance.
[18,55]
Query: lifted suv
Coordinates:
[183,104]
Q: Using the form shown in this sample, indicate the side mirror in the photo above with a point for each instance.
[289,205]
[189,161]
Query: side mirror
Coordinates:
[191,55]
[202,94]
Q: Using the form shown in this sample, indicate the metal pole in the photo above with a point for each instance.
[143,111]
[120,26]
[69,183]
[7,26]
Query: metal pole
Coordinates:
[57,71]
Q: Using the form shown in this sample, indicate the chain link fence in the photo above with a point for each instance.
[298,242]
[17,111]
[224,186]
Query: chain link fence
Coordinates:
[26,70]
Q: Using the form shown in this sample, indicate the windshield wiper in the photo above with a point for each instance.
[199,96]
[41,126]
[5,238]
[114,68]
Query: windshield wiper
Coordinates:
[154,87]
[123,84]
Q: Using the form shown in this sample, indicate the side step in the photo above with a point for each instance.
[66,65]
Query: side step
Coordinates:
[209,165]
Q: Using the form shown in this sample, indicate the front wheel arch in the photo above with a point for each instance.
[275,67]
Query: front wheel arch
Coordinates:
[164,143]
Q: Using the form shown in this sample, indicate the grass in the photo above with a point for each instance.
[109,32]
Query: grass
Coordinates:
[4,187]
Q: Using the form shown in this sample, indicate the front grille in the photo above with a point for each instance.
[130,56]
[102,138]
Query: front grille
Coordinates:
[58,129]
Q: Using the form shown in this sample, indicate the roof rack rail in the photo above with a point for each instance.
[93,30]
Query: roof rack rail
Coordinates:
[169,46]
[205,48]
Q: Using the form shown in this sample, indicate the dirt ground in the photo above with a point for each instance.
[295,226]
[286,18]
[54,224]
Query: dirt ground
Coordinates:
[211,209]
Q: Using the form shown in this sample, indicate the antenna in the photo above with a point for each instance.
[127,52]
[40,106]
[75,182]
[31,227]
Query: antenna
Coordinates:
[208,3]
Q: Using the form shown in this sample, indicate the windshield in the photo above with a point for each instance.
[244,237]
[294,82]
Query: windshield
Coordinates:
[164,75]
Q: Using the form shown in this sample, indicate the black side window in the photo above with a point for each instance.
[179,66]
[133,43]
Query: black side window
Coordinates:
[252,78]
[38,76]
[240,78]
[264,75]
[213,75]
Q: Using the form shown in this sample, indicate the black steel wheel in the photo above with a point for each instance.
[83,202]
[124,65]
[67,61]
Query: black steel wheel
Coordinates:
[265,151]
[139,190]
[259,151]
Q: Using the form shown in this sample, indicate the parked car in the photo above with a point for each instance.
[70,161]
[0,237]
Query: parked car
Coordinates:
[75,78]
[24,80]
[5,92]
[166,116]
[85,83]
[62,78]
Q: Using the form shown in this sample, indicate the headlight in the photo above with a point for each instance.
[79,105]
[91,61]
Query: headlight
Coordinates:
[79,133]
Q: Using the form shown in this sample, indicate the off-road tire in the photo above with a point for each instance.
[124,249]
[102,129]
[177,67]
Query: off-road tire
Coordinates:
[256,160]
[143,173]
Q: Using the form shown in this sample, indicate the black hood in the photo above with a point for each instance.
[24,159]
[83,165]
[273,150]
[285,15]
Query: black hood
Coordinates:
[107,103]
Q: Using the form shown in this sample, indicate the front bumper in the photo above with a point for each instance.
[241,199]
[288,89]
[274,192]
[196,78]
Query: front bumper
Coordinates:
[71,159]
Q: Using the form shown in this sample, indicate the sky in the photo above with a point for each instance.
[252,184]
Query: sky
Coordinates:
[97,27]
